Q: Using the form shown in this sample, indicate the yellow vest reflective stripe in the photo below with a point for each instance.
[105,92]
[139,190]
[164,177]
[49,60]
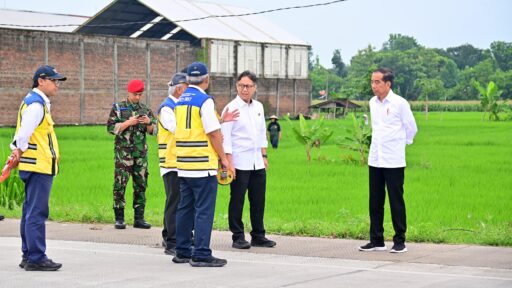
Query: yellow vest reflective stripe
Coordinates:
[165,139]
[42,155]
[194,152]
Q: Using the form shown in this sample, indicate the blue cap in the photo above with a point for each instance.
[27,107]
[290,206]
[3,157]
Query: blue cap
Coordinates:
[197,69]
[48,72]
[178,78]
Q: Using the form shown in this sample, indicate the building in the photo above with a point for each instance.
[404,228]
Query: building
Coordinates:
[332,108]
[104,52]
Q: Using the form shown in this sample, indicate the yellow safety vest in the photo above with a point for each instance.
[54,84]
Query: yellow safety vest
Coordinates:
[194,151]
[165,140]
[42,155]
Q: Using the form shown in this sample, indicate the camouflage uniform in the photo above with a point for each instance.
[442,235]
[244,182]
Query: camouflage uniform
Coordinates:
[130,152]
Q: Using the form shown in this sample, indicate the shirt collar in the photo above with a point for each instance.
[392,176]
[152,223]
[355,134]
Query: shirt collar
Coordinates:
[241,102]
[388,98]
[196,87]
[45,98]
[173,98]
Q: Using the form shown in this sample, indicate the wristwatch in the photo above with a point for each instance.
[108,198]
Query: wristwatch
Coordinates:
[264,155]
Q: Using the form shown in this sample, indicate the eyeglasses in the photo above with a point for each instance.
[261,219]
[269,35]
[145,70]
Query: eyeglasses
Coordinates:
[55,81]
[243,86]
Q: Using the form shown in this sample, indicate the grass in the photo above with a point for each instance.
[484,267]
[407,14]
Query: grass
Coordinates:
[458,186]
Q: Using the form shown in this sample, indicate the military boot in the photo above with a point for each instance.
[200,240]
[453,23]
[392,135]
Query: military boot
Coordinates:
[119,212]
[139,218]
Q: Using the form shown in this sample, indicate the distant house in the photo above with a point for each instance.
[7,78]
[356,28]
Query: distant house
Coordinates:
[332,108]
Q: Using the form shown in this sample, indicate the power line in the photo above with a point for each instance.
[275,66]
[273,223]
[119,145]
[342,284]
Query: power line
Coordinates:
[183,20]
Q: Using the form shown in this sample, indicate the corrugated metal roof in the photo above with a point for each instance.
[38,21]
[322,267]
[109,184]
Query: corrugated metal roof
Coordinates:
[254,28]
[31,18]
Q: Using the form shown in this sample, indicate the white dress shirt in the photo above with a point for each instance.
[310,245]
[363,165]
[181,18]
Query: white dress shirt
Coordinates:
[30,119]
[244,137]
[393,126]
[168,121]
[210,124]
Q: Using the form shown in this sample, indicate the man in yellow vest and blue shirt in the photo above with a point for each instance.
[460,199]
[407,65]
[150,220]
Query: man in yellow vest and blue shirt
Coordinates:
[36,150]
[198,151]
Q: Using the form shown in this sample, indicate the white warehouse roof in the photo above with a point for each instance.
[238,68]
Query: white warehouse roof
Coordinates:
[19,19]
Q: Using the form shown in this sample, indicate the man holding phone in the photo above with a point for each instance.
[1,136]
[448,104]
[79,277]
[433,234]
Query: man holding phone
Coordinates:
[130,121]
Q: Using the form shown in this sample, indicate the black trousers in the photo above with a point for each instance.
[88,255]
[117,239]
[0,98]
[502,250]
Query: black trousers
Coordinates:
[253,181]
[393,180]
[172,198]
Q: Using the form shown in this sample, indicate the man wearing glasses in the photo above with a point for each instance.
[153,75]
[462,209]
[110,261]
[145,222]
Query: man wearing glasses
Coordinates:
[245,144]
[129,121]
[36,151]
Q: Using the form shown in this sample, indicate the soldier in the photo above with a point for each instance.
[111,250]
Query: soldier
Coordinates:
[130,120]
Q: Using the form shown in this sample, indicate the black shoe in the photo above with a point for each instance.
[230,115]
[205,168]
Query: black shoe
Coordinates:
[170,251]
[180,259]
[47,265]
[208,262]
[262,242]
[372,247]
[241,244]
[2,217]
[23,262]
[398,248]
[142,224]
[120,225]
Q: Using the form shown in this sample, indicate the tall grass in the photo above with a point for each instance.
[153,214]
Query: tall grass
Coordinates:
[458,185]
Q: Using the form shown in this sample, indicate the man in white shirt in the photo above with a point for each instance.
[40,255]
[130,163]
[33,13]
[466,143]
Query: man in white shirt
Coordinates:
[36,150]
[393,126]
[167,157]
[245,144]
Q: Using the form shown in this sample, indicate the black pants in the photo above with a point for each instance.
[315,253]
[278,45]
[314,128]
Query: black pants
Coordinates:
[253,181]
[393,180]
[172,197]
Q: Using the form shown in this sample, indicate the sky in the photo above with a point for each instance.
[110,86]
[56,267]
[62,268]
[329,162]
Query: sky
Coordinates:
[352,25]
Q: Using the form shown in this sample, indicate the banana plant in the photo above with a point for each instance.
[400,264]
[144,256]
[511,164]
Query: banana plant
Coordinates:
[311,136]
[358,138]
[489,99]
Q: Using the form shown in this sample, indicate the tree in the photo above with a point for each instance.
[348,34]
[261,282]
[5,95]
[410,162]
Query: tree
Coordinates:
[359,138]
[467,56]
[339,67]
[400,42]
[489,97]
[310,136]
[311,65]
[502,53]
[429,88]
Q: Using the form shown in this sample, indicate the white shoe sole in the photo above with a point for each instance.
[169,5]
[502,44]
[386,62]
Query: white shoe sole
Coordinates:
[373,249]
[395,251]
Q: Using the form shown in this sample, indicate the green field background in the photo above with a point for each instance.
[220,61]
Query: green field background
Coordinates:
[458,183]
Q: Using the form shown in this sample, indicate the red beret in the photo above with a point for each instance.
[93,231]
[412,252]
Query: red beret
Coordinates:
[136,86]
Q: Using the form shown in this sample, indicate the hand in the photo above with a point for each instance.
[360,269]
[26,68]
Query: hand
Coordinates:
[226,165]
[16,156]
[144,119]
[230,116]
[232,168]
[265,162]
[134,120]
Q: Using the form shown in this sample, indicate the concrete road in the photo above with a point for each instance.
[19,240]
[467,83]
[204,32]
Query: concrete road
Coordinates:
[100,256]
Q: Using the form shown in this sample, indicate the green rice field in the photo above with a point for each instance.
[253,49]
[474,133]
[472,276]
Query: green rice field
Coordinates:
[458,183]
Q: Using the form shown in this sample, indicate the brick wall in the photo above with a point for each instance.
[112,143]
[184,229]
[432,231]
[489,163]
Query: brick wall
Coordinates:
[95,81]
